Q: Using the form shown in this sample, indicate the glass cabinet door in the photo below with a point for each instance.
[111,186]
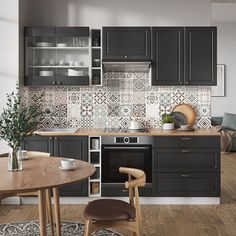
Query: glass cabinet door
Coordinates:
[57,59]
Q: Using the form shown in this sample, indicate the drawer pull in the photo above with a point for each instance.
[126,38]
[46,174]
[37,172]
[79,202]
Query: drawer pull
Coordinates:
[186,176]
[185,139]
[124,190]
[186,151]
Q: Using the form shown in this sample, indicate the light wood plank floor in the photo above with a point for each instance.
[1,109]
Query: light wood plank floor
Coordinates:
[164,220]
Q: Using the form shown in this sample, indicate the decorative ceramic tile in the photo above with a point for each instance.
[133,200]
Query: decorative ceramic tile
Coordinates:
[100,110]
[122,96]
[113,122]
[139,97]
[126,110]
[113,110]
[73,97]
[86,110]
[100,97]
[86,97]
[151,97]
[139,85]
[113,98]
[73,111]
[124,124]
[139,110]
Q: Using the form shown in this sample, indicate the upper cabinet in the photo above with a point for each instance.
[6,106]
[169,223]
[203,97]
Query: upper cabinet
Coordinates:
[168,56]
[57,56]
[201,55]
[126,43]
[184,56]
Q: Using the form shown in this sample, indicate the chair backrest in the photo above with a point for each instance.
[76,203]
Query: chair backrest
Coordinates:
[137,178]
[37,154]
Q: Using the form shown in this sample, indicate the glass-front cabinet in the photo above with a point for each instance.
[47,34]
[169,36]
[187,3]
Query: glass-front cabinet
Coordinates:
[57,56]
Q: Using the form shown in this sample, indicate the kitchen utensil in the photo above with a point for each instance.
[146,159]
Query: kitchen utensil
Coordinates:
[188,111]
[179,119]
[135,125]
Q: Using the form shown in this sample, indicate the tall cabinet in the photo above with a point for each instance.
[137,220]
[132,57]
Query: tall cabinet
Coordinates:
[184,56]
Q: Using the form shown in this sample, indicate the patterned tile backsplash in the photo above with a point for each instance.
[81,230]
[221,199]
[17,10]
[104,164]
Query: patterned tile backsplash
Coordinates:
[123,96]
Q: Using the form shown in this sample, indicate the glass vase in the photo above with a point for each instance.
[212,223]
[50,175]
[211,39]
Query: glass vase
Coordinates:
[15,159]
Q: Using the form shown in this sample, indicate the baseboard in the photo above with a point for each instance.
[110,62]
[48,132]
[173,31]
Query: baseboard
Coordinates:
[143,200]
[11,201]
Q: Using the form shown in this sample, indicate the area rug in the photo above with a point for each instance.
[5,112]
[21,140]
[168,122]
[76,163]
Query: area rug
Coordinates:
[31,228]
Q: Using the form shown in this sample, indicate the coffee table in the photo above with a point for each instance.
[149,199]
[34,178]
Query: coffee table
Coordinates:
[40,174]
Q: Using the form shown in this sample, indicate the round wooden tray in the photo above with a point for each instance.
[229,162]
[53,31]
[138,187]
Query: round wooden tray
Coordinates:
[188,111]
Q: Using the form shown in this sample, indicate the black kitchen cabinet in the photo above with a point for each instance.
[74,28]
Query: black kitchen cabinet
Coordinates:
[186,166]
[184,56]
[56,56]
[75,147]
[126,43]
[168,56]
[201,56]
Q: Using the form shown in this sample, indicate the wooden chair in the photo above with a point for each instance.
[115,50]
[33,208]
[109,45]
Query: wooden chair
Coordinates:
[110,213]
[30,194]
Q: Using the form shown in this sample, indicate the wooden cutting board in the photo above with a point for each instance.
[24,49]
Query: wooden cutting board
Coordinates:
[188,111]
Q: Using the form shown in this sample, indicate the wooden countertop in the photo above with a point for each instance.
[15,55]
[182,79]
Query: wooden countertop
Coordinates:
[151,132]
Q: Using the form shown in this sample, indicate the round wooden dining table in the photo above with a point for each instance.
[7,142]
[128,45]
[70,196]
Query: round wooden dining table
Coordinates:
[41,174]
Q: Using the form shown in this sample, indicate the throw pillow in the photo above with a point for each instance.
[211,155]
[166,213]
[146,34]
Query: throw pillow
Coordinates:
[229,121]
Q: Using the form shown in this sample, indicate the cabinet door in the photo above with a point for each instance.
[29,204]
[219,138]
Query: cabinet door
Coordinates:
[186,184]
[38,143]
[201,56]
[77,148]
[168,55]
[126,43]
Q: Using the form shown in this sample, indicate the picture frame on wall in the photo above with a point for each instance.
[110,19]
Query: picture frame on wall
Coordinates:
[219,90]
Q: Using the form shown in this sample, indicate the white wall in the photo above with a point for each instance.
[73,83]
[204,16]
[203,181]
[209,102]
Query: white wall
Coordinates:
[96,13]
[224,17]
[9,48]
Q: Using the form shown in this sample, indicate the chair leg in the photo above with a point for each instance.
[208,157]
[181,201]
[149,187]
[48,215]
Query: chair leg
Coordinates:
[87,228]
[49,210]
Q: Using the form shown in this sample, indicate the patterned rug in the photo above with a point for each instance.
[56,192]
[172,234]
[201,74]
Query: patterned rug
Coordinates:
[31,228]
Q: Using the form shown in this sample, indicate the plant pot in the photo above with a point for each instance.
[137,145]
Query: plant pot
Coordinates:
[168,126]
[15,159]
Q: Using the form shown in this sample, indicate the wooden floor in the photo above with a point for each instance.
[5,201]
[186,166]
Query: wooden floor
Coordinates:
[164,219]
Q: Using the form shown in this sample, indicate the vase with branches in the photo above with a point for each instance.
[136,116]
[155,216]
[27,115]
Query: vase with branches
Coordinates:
[18,121]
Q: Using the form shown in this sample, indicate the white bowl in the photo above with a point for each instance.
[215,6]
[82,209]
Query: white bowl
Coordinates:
[46,73]
[44,44]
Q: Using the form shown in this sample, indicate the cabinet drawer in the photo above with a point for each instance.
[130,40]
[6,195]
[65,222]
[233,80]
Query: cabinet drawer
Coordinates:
[190,160]
[186,184]
[187,141]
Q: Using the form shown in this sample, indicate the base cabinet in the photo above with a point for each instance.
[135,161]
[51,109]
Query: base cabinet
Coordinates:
[186,166]
[63,146]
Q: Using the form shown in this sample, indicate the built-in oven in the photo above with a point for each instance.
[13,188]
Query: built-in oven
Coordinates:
[135,152]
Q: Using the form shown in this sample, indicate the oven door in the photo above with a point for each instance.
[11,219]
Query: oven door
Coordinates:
[134,156]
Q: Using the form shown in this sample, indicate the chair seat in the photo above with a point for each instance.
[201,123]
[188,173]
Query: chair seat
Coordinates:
[109,210]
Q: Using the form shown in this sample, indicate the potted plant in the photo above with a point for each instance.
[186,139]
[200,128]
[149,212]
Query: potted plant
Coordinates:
[167,122]
[16,122]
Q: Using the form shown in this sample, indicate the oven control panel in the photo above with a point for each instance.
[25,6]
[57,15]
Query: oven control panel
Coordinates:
[126,139]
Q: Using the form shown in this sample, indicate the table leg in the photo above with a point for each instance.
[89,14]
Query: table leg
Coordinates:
[42,212]
[49,210]
[57,210]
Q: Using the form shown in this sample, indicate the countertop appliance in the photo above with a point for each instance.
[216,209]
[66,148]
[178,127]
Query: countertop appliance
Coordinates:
[130,151]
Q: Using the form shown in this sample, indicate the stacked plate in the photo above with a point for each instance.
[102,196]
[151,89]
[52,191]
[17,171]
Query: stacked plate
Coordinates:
[184,116]
[44,44]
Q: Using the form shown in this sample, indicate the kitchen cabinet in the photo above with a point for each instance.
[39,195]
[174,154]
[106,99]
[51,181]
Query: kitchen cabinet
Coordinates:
[57,56]
[186,166]
[126,43]
[63,146]
[184,56]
